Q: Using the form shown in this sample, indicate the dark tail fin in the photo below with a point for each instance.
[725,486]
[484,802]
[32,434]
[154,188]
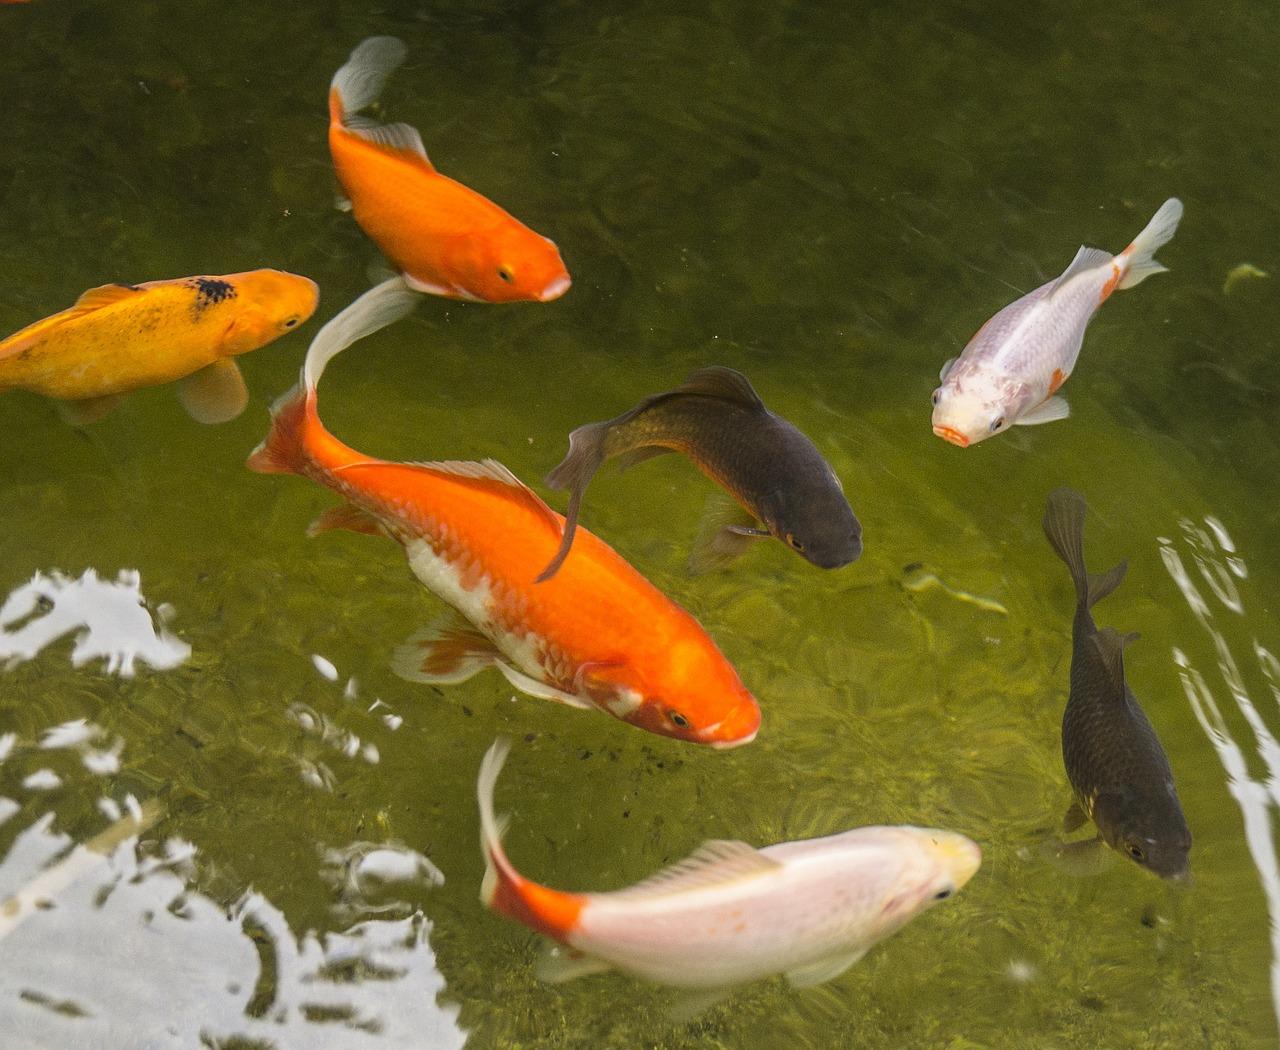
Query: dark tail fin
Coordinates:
[281,451]
[586,454]
[1064,527]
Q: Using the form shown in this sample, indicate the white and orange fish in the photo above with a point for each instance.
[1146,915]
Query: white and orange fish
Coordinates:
[730,913]
[1010,372]
[599,636]
[444,238]
[122,337]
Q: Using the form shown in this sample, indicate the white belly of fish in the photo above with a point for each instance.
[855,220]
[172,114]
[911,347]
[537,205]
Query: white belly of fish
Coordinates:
[478,604]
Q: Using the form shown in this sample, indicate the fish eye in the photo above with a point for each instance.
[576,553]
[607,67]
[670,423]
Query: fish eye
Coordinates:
[794,543]
[678,719]
[997,424]
[1135,851]
[937,396]
[291,322]
[942,895]
[505,274]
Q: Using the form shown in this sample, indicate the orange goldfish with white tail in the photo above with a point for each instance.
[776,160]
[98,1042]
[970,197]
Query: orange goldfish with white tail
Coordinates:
[730,913]
[444,238]
[598,636]
[121,337]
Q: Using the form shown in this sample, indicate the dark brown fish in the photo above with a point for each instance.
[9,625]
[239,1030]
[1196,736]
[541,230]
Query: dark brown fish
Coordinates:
[718,420]
[1117,768]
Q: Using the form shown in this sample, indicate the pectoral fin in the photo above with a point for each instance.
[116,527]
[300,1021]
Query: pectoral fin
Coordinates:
[558,964]
[687,1006]
[1049,410]
[449,651]
[1074,818]
[87,410]
[823,970]
[215,394]
[726,533]
[532,687]
[1082,859]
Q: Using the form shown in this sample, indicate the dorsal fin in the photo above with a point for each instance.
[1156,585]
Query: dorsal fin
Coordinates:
[492,470]
[401,139]
[1110,644]
[714,863]
[104,295]
[1086,259]
[725,383]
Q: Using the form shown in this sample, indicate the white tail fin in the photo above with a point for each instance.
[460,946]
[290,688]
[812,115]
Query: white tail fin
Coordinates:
[491,828]
[1158,232]
[360,81]
[380,306]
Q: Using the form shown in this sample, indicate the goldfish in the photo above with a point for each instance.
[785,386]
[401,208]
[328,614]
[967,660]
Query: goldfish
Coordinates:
[122,337]
[444,238]
[1010,372]
[729,913]
[717,419]
[600,636]
[1118,771]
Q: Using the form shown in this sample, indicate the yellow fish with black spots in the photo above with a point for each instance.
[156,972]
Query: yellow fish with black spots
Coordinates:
[121,337]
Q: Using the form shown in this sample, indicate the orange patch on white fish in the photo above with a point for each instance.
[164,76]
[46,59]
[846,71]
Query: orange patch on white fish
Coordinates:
[1056,380]
[445,238]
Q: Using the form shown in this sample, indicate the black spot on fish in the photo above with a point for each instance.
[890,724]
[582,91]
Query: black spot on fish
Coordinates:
[210,291]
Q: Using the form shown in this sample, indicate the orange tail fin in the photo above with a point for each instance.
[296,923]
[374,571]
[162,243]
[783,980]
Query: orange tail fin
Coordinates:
[505,890]
[281,451]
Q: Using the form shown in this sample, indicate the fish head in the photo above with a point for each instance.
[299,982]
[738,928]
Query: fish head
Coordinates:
[697,696]
[512,265]
[935,865]
[815,520]
[973,405]
[1146,827]
[267,304]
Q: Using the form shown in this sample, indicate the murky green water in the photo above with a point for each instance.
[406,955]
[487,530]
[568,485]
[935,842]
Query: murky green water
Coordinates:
[831,201]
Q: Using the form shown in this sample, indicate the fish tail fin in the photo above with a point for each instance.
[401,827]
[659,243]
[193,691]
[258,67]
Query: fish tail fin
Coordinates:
[380,306]
[282,451]
[360,81]
[500,879]
[1157,233]
[1064,528]
[503,889]
[586,454]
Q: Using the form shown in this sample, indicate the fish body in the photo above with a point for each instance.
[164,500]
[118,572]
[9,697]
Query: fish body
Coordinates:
[1010,372]
[600,636]
[1118,770]
[119,338]
[730,913]
[445,238]
[718,421]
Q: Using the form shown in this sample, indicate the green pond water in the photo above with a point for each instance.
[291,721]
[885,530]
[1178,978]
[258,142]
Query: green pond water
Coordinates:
[831,198]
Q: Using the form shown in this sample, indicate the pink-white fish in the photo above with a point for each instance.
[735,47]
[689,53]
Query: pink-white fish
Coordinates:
[1011,370]
[730,913]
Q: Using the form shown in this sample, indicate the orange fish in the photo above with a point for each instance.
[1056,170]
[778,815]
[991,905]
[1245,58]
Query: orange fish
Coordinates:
[121,337]
[597,635]
[443,237]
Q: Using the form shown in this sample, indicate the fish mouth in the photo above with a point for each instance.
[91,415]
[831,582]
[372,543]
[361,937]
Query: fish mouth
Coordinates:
[726,745]
[555,288]
[743,725]
[951,434]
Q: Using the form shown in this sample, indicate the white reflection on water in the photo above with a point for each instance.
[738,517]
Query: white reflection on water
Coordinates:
[1214,556]
[111,618]
[118,952]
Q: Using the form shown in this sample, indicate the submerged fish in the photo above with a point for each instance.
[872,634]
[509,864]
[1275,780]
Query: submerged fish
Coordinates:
[1010,372]
[122,337]
[729,913]
[718,420]
[599,636]
[443,237]
[1117,768]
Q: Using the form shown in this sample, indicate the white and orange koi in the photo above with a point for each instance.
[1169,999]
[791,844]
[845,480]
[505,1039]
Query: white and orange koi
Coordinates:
[730,913]
[1010,372]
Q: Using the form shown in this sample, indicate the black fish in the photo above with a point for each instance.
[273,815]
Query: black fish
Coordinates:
[766,464]
[1117,768]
